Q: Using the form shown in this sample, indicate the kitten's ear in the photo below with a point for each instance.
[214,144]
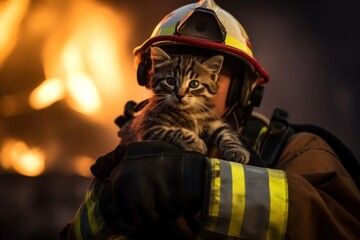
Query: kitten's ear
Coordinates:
[214,63]
[158,55]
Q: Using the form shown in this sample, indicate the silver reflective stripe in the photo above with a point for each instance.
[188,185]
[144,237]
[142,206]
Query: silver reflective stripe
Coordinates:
[225,197]
[257,203]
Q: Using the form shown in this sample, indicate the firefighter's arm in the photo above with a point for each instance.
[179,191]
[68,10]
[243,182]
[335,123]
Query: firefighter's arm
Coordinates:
[240,202]
[324,202]
[308,196]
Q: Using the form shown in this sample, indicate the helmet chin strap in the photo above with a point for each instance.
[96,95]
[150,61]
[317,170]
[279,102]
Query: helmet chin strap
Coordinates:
[229,110]
[237,115]
[239,106]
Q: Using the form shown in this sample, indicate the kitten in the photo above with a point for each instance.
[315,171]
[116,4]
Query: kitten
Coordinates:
[180,111]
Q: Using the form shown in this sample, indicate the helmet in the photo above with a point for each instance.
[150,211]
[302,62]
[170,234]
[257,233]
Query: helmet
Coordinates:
[204,25]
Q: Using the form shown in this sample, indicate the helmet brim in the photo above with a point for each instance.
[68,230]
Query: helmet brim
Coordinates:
[173,39]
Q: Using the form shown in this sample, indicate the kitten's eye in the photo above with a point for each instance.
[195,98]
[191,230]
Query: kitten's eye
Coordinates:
[171,81]
[194,84]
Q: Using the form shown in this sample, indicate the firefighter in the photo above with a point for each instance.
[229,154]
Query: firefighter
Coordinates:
[298,185]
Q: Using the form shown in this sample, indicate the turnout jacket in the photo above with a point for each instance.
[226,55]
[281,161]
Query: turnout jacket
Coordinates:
[307,195]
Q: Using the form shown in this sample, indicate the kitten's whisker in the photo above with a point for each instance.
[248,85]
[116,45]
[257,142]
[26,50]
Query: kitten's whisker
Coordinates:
[157,101]
[204,110]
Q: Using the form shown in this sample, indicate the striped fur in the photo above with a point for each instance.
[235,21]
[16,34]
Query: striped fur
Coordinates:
[180,111]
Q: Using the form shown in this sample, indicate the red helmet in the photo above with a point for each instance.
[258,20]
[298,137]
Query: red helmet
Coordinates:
[205,25]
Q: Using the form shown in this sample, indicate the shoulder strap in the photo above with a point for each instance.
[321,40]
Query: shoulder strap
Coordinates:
[276,137]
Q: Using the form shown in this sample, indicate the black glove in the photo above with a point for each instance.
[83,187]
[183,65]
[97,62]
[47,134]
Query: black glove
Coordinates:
[150,181]
[105,164]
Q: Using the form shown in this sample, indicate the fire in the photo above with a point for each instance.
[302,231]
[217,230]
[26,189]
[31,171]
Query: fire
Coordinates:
[11,14]
[87,54]
[86,62]
[84,94]
[47,93]
[18,156]
[82,165]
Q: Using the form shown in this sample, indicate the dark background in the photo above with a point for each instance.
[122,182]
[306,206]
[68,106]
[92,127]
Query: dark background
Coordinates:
[309,48]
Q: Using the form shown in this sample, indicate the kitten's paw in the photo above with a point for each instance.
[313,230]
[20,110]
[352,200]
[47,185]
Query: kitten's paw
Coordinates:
[239,155]
[198,146]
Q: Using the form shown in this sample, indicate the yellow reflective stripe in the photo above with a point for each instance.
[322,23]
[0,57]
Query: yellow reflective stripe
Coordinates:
[96,223]
[89,222]
[77,224]
[166,31]
[90,202]
[236,43]
[278,204]
[215,194]
[259,138]
[238,199]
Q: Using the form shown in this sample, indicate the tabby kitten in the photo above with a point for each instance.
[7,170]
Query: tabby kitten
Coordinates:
[180,111]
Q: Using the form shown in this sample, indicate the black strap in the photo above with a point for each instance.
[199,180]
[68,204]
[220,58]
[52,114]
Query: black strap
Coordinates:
[276,138]
[252,129]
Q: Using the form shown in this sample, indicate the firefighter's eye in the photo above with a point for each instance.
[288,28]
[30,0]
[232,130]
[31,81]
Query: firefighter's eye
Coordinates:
[194,83]
[171,81]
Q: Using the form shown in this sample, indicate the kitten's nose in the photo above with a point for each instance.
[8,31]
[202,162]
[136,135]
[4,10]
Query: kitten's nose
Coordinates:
[180,93]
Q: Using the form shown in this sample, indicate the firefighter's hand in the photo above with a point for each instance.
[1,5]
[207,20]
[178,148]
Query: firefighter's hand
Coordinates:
[105,164]
[150,181]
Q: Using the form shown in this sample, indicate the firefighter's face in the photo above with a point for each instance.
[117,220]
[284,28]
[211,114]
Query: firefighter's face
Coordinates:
[220,98]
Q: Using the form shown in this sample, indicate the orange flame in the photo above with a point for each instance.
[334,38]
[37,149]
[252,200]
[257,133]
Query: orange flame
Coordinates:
[11,14]
[86,62]
[16,155]
[48,92]
[87,54]
[82,165]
